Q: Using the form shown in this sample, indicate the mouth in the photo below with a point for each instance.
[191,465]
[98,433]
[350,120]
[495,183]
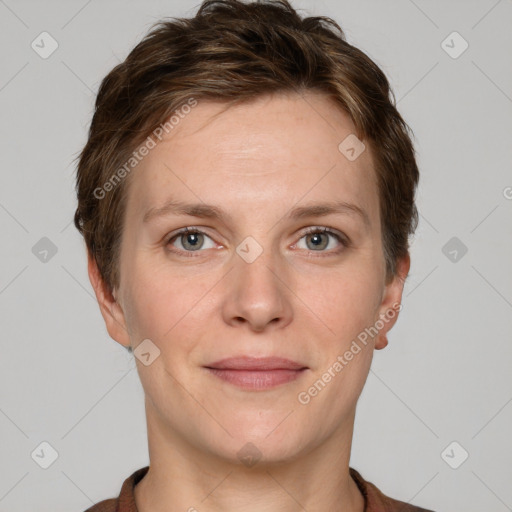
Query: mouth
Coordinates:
[252,373]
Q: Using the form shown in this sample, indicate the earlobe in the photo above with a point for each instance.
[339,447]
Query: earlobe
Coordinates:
[382,342]
[111,311]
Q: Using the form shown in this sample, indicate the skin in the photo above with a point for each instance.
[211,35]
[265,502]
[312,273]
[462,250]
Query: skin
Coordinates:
[298,299]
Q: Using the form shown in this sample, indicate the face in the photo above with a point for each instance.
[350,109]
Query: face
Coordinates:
[283,259]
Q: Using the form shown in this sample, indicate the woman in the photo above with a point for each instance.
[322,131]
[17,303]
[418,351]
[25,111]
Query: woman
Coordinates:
[246,196]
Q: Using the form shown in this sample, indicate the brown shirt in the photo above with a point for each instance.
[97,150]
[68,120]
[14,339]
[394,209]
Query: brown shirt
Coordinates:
[374,500]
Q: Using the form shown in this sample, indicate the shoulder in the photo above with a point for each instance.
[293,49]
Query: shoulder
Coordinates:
[125,502]
[376,501]
[109,505]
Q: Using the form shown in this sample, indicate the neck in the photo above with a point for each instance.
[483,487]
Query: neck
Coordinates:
[181,477]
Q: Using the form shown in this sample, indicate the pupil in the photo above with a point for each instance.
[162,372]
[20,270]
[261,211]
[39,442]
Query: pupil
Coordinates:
[191,240]
[316,240]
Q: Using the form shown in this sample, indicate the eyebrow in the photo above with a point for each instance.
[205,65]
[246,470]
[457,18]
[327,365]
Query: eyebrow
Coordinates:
[203,210]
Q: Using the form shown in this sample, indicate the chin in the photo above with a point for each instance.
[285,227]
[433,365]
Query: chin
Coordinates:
[267,442]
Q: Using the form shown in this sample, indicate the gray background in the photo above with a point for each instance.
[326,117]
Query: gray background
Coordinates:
[445,375]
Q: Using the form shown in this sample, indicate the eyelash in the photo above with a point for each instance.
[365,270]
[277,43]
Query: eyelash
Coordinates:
[342,239]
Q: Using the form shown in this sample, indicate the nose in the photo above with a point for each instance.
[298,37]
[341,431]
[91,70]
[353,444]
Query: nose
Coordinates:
[258,294]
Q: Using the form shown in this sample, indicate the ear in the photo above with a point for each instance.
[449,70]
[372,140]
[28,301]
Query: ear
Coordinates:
[111,311]
[391,301]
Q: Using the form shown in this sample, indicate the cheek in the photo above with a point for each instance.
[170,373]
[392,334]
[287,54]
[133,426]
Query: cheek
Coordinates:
[162,308]
[349,305]
[150,307]
[345,303]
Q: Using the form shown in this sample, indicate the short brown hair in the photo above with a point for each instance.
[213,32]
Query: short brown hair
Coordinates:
[231,52]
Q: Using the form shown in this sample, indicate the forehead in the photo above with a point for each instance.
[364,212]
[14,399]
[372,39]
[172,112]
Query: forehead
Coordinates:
[273,150]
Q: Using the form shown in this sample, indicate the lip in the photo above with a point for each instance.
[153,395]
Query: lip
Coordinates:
[257,374]
[255,364]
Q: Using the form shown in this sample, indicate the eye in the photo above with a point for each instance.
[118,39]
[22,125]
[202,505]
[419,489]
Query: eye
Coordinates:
[317,239]
[190,240]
